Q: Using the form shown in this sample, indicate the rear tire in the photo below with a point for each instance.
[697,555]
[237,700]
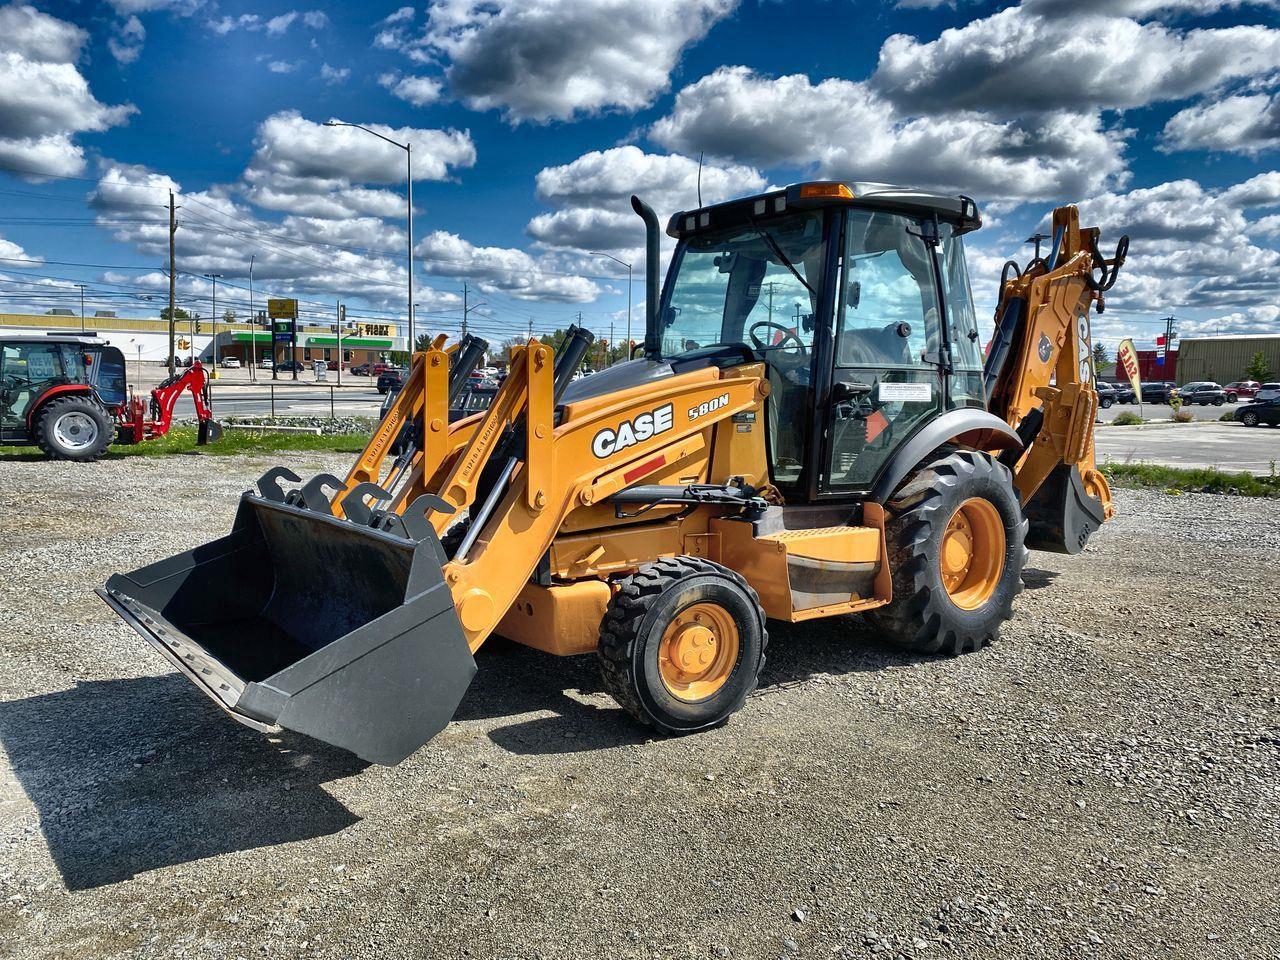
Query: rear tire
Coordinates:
[1249,419]
[682,644]
[1104,404]
[956,550]
[74,428]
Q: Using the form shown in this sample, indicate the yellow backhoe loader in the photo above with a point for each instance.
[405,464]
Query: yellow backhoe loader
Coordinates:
[811,430]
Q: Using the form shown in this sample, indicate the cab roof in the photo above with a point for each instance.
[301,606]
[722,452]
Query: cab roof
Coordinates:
[959,210]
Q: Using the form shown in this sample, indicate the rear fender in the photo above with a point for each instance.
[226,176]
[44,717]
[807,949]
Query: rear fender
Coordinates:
[973,428]
[62,390]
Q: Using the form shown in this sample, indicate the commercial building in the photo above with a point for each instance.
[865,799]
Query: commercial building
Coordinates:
[1224,359]
[147,339]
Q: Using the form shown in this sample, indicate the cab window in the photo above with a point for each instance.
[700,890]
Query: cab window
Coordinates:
[963,338]
[890,309]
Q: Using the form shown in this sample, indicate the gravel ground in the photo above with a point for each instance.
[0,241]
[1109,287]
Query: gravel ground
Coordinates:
[1103,783]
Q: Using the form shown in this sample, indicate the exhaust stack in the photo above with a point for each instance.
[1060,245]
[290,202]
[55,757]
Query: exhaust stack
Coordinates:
[652,254]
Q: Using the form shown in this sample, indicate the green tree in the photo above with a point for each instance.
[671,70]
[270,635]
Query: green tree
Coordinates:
[178,314]
[1258,369]
[1100,355]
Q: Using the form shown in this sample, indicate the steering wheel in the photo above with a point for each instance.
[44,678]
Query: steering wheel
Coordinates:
[796,344]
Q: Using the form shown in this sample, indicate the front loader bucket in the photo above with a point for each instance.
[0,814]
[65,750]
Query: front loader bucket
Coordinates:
[303,621]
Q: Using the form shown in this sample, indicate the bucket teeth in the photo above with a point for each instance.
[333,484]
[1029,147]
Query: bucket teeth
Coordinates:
[311,495]
[269,483]
[354,506]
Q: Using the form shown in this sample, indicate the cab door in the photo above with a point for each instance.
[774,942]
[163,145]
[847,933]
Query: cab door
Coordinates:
[27,370]
[888,363]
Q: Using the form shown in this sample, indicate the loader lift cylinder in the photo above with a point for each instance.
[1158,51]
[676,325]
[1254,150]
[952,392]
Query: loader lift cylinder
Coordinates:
[573,349]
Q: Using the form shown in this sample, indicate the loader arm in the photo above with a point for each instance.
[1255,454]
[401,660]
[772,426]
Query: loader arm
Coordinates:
[579,463]
[1039,374]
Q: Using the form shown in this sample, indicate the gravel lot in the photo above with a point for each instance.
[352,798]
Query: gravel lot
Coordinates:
[1103,783]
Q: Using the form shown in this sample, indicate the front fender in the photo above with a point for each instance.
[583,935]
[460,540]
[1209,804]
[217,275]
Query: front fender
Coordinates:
[971,427]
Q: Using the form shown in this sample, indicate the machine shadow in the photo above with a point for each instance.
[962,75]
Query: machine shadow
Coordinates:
[514,679]
[132,775]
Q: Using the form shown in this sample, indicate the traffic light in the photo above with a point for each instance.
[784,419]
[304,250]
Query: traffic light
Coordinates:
[197,324]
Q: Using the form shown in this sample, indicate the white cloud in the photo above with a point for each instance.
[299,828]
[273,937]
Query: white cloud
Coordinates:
[419,91]
[278,25]
[39,37]
[283,66]
[1015,62]
[334,74]
[315,19]
[1190,246]
[1260,191]
[46,100]
[558,59]
[307,168]
[1240,124]
[179,8]
[790,122]
[593,195]
[501,270]
[403,15]
[126,45]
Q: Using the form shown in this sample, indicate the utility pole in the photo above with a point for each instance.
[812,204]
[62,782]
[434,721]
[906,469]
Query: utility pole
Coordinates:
[771,286]
[173,229]
[342,322]
[81,286]
[464,309]
[214,277]
[253,326]
[529,335]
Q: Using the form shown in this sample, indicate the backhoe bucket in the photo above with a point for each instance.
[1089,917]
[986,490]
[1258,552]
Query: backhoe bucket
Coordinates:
[299,620]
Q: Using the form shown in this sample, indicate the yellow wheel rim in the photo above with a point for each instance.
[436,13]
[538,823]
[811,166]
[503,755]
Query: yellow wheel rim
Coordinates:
[698,652]
[972,554]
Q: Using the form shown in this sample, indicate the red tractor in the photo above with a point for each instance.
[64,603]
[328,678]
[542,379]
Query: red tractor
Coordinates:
[67,395]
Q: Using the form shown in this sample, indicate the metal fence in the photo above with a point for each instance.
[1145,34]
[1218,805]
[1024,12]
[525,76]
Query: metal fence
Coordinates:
[284,400]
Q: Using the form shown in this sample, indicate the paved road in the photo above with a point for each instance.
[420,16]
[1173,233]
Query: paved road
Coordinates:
[1229,446]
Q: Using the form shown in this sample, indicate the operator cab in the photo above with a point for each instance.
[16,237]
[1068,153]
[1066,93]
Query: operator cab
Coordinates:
[856,297]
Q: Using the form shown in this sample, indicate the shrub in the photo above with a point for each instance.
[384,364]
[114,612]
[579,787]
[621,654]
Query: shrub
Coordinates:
[1127,419]
[1183,416]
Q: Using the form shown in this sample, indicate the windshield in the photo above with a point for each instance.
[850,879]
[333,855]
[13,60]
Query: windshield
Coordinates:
[749,285]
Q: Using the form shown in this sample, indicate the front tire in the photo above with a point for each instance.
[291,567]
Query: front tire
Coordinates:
[1104,404]
[956,551]
[73,428]
[682,644]
[1249,419]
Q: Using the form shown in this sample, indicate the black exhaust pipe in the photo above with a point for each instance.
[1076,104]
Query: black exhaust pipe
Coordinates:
[652,253]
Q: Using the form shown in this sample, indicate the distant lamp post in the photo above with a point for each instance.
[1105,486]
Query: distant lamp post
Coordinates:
[253,326]
[600,253]
[408,150]
[214,277]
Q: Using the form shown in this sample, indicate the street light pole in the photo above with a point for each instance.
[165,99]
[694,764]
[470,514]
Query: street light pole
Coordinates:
[408,149]
[599,253]
[214,277]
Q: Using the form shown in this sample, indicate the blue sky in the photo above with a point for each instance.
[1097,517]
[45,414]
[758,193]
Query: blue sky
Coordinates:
[532,120]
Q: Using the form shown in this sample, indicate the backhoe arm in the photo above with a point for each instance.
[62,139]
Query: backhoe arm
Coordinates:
[1039,378]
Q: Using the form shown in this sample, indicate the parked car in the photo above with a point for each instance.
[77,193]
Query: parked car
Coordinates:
[1241,390]
[1259,411]
[230,363]
[1124,392]
[391,379]
[289,366]
[360,370]
[1203,392]
[1268,391]
[1106,394]
[266,363]
[1158,391]
[379,367]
